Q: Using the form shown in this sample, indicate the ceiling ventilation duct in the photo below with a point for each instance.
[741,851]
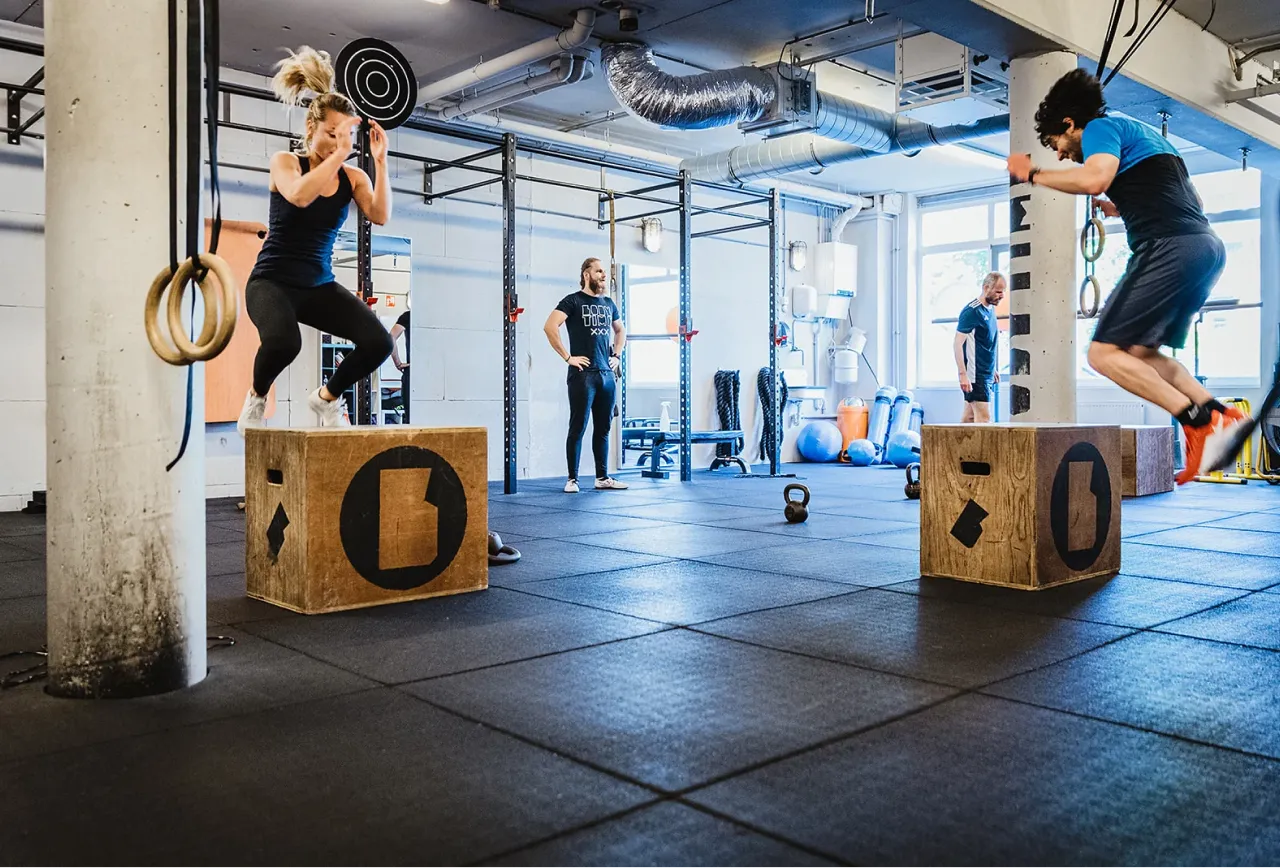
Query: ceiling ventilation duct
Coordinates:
[564,71]
[799,153]
[690,102]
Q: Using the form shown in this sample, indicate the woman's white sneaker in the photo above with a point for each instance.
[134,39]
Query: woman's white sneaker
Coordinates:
[571,487]
[332,413]
[253,414]
[609,482]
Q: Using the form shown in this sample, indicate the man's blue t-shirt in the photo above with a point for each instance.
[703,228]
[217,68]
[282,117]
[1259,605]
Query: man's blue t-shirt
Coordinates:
[1151,189]
[978,321]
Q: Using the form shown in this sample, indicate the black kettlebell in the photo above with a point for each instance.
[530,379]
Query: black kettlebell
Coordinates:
[796,511]
[912,487]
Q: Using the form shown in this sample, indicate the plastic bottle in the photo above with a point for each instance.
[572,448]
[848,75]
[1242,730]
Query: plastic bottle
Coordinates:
[878,421]
[665,423]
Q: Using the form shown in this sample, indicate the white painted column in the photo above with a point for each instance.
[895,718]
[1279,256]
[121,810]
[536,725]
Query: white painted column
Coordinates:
[126,539]
[1043,283]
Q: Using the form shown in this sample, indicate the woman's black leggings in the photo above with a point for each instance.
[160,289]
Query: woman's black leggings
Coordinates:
[590,390]
[277,309]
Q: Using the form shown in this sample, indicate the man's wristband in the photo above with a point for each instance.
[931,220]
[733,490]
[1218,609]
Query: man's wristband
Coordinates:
[1031,176]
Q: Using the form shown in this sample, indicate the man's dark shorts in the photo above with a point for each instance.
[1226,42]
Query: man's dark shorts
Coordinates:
[981,392]
[1165,284]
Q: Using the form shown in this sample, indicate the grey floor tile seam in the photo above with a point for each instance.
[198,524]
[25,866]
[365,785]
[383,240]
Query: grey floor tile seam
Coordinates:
[981,605]
[1130,726]
[794,653]
[587,573]
[849,589]
[706,559]
[42,754]
[667,628]
[564,833]
[760,830]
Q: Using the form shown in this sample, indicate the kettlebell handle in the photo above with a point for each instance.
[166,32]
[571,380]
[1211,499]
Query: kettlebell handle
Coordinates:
[795,486]
[913,474]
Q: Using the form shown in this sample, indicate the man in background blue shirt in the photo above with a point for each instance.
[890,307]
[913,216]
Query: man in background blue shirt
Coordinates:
[975,349]
[1176,257]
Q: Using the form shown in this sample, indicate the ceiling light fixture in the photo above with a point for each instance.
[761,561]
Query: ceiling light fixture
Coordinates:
[438,2]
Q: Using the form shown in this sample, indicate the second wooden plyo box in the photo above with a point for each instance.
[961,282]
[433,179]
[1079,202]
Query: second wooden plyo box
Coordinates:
[1020,505]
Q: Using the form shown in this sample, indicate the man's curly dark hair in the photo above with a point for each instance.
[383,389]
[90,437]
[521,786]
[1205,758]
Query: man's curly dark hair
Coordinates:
[1077,95]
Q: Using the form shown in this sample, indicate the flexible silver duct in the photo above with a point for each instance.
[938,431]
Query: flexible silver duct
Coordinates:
[801,153]
[689,102]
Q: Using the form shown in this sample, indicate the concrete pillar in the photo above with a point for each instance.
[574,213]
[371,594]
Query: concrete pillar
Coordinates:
[126,539]
[1043,282]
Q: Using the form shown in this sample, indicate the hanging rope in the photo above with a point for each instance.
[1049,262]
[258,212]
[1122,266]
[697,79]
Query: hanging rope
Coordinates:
[613,248]
[727,385]
[1152,23]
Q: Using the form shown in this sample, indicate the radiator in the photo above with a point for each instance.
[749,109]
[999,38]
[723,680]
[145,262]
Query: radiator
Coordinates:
[1113,413]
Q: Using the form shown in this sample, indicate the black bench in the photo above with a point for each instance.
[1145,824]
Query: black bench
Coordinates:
[660,438]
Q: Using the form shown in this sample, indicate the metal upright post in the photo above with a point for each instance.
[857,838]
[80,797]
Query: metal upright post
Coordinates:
[686,246]
[364,277]
[775,438]
[510,310]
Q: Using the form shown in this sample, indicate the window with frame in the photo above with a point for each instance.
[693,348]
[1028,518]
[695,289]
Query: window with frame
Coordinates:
[651,309]
[959,243]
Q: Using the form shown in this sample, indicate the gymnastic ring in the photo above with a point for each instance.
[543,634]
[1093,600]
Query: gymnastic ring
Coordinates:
[1101,231]
[219,325]
[1091,311]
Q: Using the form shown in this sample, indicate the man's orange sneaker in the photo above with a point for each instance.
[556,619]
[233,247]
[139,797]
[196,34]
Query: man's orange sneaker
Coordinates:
[1194,439]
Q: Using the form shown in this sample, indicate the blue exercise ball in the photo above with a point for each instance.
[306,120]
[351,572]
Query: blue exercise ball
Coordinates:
[820,440]
[861,453]
[904,449]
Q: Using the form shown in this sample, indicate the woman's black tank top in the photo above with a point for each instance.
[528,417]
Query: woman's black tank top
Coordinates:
[299,245]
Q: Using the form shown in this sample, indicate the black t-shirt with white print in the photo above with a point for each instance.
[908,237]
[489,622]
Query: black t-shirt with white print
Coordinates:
[590,323]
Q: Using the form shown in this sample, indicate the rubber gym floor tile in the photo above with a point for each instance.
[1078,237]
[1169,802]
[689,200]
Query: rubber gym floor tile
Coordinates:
[31,542]
[1220,694]
[216,534]
[22,578]
[898,510]
[1219,540]
[692,512]
[819,525]
[372,778]
[1253,620]
[9,553]
[931,639]
[1130,528]
[898,539]
[554,558]
[222,558]
[677,709]
[232,525]
[978,781]
[568,523]
[22,628]
[228,603]
[683,592]
[1228,570]
[1124,601]
[851,563]
[19,523]
[250,676]
[1268,522]
[683,540]
[1174,515]
[668,833]
[428,638]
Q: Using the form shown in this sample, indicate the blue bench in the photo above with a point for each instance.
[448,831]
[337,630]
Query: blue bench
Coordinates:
[662,438]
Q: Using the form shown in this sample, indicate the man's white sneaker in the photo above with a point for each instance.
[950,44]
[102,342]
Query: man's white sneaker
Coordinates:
[252,415]
[609,482]
[571,487]
[332,413]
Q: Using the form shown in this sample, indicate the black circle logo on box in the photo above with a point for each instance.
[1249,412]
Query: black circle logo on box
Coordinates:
[360,524]
[1060,506]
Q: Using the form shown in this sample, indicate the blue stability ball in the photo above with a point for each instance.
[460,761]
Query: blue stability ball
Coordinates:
[904,449]
[820,441]
[862,453]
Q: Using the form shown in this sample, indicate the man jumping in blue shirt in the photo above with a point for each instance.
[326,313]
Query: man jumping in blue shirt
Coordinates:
[1176,257]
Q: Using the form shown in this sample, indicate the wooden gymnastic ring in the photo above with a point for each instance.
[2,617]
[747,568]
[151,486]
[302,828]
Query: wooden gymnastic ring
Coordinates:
[1096,225]
[1088,282]
[219,319]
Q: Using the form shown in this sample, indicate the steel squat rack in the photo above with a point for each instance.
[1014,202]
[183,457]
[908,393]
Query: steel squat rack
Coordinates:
[674,193]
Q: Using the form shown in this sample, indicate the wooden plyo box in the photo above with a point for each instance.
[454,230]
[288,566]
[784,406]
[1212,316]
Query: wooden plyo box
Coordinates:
[1020,505]
[1147,459]
[339,518]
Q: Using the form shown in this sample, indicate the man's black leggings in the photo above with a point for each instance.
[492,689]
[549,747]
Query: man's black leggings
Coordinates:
[590,390]
[277,309]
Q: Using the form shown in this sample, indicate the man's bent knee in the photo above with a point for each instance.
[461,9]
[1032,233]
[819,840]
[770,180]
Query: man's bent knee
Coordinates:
[1100,356]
